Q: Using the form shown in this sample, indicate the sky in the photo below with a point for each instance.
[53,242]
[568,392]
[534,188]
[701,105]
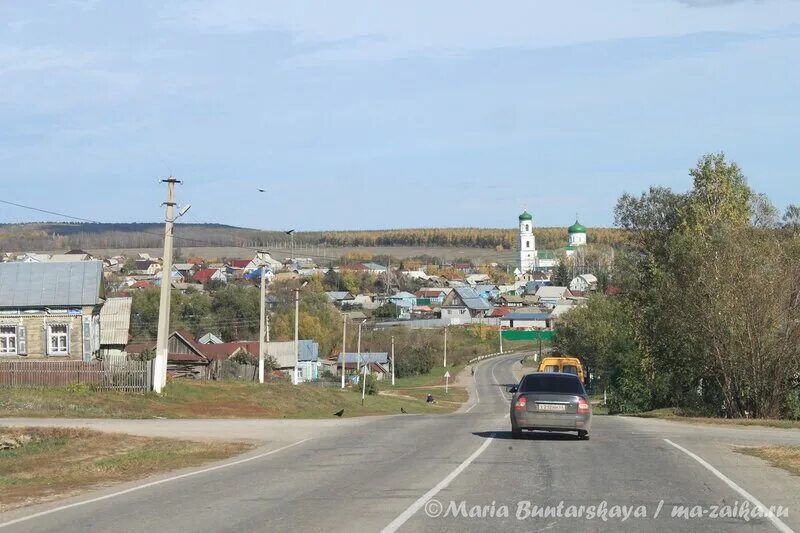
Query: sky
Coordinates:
[367,115]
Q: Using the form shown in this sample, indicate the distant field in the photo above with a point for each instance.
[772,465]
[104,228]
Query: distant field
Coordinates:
[322,253]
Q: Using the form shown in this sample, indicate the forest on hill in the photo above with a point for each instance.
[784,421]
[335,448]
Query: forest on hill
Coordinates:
[63,236]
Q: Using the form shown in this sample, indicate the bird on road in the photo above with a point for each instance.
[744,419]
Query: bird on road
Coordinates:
[339,413]
[403,411]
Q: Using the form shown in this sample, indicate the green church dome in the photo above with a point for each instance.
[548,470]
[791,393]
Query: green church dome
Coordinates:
[576,228]
[526,216]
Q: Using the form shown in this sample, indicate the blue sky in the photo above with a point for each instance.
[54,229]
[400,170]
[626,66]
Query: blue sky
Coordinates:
[356,115]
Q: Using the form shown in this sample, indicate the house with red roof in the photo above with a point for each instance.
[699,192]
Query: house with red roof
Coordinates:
[210,274]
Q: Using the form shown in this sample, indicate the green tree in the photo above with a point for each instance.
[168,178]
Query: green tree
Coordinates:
[561,277]
[720,196]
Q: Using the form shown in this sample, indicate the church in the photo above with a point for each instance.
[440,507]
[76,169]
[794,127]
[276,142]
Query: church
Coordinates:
[530,260]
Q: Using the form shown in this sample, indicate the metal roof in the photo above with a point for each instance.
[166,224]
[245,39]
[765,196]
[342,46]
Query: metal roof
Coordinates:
[115,321]
[526,316]
[50,284]
[471,299]
[371,357]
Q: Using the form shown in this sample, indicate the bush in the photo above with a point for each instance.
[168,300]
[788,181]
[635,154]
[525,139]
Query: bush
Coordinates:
[371,385]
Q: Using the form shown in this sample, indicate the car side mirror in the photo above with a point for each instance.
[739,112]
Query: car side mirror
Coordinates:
[512,390]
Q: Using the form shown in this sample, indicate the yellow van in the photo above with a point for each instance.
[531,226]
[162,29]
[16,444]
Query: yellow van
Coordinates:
[564,364]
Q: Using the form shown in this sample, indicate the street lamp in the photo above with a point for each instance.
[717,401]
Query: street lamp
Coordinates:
[296,331]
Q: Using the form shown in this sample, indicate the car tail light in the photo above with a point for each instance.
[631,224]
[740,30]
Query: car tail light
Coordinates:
[583,406]
[521,403]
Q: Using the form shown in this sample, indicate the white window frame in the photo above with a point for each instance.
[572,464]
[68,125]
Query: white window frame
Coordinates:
[10,338]
[59,351]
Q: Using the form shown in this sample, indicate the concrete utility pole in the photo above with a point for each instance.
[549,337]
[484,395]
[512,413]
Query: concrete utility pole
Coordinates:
[261,323]
[358,346]
[392,360]
[501,339]
[162,339]
[445,347]
[364,385]
[296,331]
[344,345]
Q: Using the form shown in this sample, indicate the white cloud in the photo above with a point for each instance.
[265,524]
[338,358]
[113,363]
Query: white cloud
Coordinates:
[421,27]
[18,59]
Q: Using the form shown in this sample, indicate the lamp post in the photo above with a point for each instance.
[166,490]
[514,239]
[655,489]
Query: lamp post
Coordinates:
[296,331]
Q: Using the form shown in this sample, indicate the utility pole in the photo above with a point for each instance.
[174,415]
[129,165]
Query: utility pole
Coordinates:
[501,339]
[261,323]
[344,346]
[364,385]
[445,346]
[162,339]
[358,346]
[296,331]
[392,360]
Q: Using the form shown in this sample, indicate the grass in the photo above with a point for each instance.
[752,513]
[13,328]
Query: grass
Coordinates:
[207,399]
[786,457]
[61,462]
[420,386]
[672,413]
[432,379]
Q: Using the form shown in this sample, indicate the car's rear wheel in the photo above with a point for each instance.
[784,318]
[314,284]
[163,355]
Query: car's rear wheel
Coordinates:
[583,434]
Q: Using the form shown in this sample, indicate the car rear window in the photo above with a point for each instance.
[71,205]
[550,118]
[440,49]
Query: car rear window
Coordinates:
[570,369]
[557,384]
[551,368]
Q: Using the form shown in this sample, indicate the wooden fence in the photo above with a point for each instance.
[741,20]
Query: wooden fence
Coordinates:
[128,376]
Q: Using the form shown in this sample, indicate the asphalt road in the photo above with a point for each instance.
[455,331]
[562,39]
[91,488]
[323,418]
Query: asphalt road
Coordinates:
[398,473]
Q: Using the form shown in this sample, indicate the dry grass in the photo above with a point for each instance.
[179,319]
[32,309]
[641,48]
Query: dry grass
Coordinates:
[670,413]
[205,399]
[63,462]
[786,457]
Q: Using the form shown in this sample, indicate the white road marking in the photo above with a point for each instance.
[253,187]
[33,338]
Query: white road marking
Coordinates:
[777,522]
[477,397]
[147,485]
[417,505]
[503,396]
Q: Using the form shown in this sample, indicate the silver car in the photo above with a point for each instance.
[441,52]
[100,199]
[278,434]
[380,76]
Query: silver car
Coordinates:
[551,402]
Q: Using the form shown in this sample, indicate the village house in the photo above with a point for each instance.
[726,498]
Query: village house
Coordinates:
[463,304]
[583,283]
[550,296]
[51,310]
[520,320]
[206,275]
[432,296]
[377,363]
[115,324]
[340,298]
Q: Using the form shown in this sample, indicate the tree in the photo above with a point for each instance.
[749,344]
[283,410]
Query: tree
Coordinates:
[720,196]
[389,310]
[129,265]
[561,277]
[332,280]
[791,217]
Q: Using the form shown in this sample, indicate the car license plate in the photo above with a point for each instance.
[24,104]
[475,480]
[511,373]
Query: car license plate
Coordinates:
[552,407]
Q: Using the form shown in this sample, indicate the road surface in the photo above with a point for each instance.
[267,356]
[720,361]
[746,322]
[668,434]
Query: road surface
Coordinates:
[399,473]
